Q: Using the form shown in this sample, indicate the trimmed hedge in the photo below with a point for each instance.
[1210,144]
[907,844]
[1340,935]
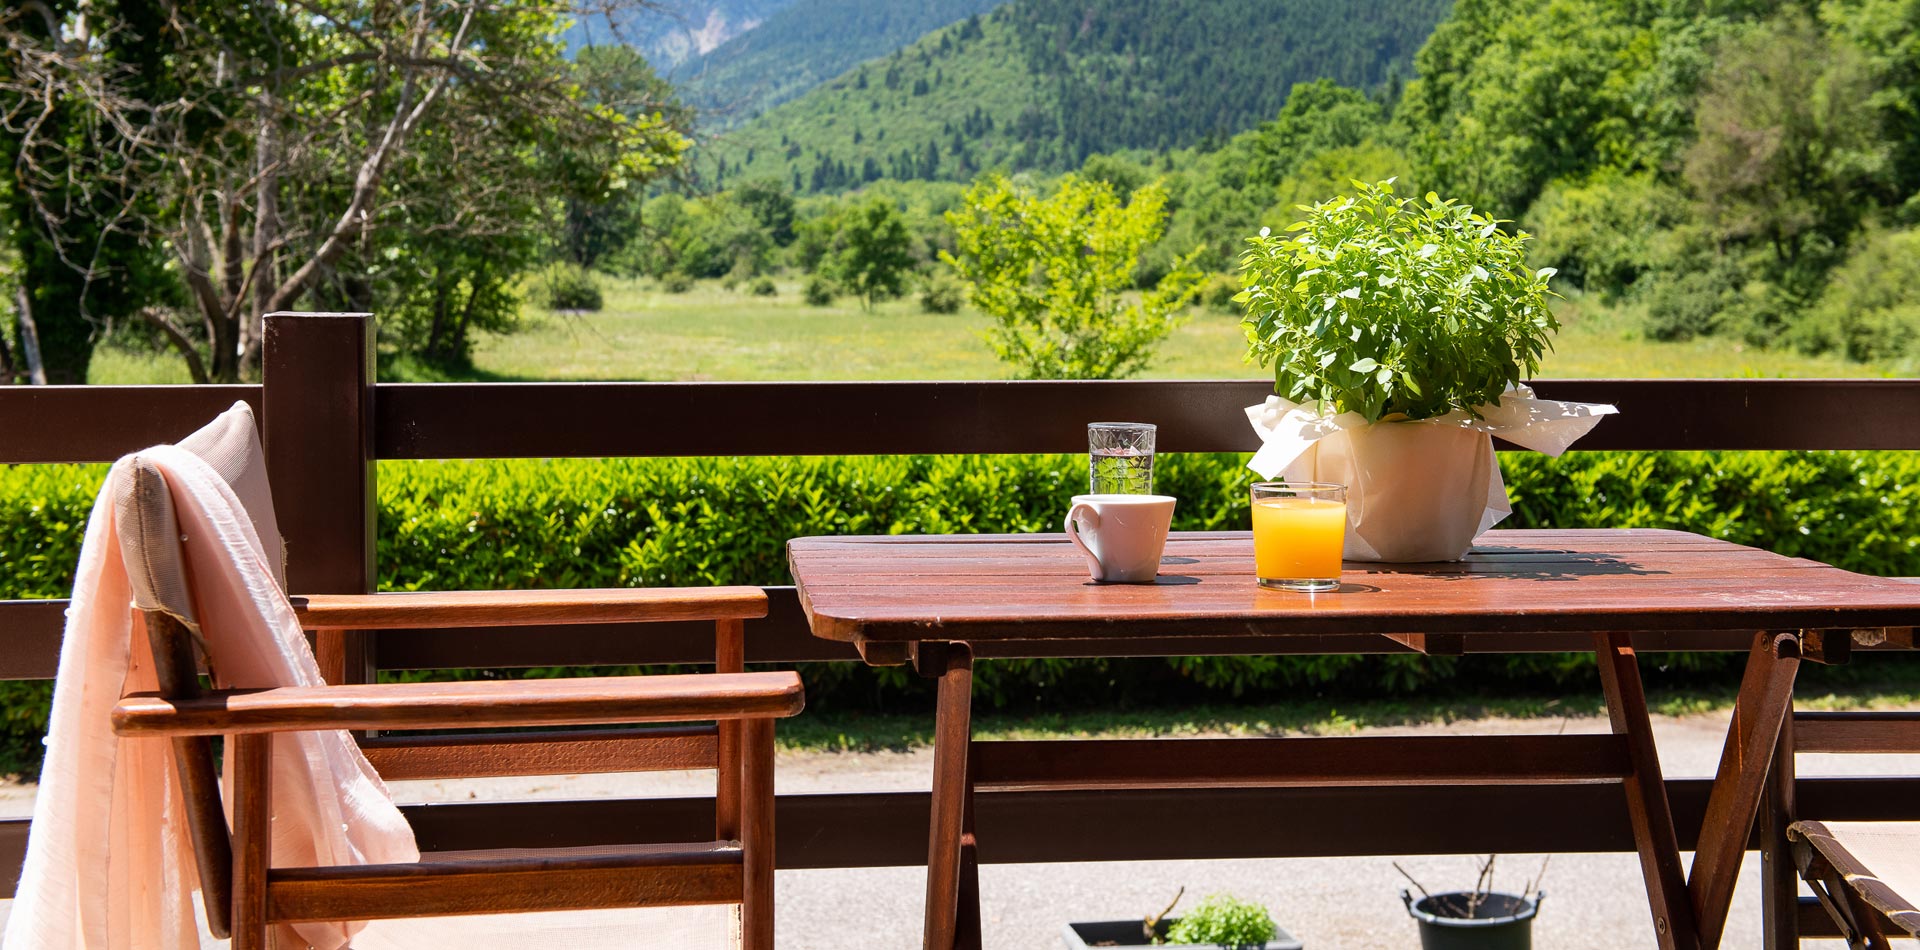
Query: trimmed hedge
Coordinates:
[659,522]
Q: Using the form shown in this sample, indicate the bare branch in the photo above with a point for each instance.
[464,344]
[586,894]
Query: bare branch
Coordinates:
[159,320]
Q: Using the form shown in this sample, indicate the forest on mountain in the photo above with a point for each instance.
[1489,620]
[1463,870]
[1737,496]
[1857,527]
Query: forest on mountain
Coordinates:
[1043,84]
[1742,168]
[1748,169]
[803,45]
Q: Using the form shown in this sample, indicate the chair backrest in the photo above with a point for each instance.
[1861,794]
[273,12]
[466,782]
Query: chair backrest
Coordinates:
[149,546]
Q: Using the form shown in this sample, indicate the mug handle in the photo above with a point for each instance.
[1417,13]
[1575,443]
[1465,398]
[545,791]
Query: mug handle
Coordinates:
[1073,534]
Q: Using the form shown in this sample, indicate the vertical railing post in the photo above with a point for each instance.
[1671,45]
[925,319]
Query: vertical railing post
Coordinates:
[317,398]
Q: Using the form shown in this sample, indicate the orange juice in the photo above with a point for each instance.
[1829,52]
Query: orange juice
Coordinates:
[1298,538]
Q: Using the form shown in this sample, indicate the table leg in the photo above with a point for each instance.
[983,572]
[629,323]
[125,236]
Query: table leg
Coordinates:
[1764,703]
[1647,811]
[1780,880]
[953,913]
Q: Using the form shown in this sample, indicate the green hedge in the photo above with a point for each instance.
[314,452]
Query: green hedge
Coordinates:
[654,522]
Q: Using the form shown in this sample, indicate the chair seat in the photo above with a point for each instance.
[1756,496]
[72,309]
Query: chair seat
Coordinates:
[1880,860]
[511,881]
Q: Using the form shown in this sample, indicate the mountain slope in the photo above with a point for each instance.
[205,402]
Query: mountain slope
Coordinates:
[679,30]
[805,44]
[1042,84]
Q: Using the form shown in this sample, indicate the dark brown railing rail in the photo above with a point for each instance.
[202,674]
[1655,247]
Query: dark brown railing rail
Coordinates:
[326,422]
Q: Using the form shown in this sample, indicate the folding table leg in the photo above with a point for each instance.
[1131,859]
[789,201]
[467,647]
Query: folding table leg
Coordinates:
[1759,713]
[950,830]
[1779,881]
[966,932]
[1646,789]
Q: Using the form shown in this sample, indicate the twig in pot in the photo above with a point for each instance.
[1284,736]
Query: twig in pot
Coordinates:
[1152,923]
[1410,880]
[1533,886]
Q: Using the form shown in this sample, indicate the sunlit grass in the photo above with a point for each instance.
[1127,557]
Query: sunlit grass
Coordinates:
[115,365]
[1597,342]
[714,333]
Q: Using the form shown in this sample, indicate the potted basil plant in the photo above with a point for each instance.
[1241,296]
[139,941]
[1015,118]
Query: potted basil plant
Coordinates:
[1400,333]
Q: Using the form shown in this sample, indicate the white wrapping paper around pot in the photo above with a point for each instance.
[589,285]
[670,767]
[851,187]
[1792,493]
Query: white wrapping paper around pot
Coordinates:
[1416,491]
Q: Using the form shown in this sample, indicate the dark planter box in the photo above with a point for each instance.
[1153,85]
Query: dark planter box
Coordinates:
[1126,933]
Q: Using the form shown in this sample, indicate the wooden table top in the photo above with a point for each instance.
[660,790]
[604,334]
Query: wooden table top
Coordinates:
[1035,587]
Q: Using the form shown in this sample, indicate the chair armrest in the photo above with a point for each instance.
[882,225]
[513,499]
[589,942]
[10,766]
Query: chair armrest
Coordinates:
[502,608]
[474,705]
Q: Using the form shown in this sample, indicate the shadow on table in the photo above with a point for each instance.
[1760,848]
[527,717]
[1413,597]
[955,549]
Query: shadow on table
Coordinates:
[1516,563]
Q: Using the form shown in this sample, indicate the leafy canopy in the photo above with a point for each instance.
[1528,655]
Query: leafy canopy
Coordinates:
[874,253]
[1379,305]
[1225,921]
[1054,274]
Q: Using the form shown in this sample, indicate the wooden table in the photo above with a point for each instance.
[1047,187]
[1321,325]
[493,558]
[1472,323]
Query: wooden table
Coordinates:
[938,600]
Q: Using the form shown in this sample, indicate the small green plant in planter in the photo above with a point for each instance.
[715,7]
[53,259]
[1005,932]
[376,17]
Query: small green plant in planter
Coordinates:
[1395,309]
[1224,921]
[1399,333]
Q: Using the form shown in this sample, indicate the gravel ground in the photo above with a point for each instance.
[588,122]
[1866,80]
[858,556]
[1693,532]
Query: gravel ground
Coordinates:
[1594,902]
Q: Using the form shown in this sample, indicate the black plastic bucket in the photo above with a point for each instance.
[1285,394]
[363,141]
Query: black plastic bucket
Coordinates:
[1499,921]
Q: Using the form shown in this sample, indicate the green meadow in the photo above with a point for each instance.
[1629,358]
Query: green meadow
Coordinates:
[712,333]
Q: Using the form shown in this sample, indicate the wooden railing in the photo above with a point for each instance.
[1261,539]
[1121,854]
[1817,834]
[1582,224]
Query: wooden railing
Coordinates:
[326,422]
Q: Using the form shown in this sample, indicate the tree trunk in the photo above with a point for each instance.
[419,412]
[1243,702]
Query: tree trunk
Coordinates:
[30,338]
[437,330]
[264,256]
[474,286]
[8,374]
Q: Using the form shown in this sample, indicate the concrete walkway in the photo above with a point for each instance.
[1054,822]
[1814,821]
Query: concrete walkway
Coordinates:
[1594,902]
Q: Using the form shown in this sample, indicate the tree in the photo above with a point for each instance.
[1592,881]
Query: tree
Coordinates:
[1514,94]
[771,205]
[1318,116]
[266,162]
[73,281]
[1788,149]
[873,251]
[1053,273]
[603,200]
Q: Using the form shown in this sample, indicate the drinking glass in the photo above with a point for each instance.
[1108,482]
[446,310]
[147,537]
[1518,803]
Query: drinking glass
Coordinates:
[1120,458]
[1299,532]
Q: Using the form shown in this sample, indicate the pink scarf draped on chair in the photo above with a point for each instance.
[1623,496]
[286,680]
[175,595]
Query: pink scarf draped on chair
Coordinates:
[109,865]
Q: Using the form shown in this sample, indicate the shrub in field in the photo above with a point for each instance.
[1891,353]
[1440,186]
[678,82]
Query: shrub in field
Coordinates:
[1056,272]
[1219,292]
[942,294]
[764,287]
[1871,307]
[675,282]
[571,287]
[820,291]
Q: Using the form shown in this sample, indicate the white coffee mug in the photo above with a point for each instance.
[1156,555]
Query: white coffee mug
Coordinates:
[1121,535]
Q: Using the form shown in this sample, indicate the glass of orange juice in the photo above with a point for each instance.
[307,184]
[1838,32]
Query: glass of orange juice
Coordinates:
[1299,531]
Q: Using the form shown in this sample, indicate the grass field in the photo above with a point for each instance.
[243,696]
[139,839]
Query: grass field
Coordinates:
[714,333]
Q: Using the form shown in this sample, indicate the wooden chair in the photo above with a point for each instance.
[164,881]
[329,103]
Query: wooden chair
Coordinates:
[1865,875]
[243,894]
